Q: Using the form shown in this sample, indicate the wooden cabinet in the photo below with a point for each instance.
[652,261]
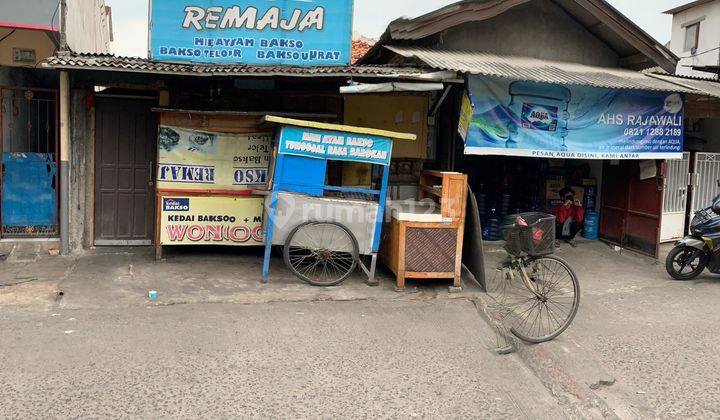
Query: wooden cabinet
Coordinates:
[424,239]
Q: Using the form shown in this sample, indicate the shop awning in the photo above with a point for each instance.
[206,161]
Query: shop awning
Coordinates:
[547,71]
[111,63]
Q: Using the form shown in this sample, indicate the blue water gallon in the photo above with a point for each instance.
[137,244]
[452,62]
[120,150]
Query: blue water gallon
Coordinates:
[592,226]
[590,199]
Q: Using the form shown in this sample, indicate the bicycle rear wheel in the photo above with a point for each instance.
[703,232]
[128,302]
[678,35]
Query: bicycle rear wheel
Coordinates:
[537,319]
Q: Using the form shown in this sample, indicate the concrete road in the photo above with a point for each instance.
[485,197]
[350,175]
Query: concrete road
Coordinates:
[289,360]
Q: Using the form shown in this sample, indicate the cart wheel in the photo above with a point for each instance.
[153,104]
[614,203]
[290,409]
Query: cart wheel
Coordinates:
[321,253]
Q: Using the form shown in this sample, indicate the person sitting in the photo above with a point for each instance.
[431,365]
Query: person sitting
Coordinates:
[569,217]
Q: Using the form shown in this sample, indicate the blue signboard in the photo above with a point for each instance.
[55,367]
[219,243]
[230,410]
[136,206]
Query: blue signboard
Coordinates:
[514,118]
[332,145]
[176,204]
[260,32]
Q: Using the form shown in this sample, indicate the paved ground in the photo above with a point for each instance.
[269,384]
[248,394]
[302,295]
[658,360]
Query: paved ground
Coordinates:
[283,360]
[648,343]
[642,346]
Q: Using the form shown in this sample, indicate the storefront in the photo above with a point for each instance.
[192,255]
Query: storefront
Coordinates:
[562,97]
[169,151]
[525,141]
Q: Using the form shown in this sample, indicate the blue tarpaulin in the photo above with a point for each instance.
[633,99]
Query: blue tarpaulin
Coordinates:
[28,193]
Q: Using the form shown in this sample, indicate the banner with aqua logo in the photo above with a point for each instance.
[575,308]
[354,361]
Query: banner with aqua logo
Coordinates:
[518,118]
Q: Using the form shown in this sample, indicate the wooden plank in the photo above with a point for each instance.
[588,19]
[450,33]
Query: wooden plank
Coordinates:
[158,224]
[439,174]
[209,193]
[459,255]
[90,183]
[429,275]
[212,123]
[402,234]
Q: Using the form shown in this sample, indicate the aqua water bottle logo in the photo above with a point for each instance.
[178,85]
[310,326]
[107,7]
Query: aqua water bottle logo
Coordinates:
[539,117]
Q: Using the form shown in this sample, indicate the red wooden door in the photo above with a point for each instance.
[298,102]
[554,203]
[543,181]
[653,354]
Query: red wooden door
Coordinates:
[631,210]
[125,152]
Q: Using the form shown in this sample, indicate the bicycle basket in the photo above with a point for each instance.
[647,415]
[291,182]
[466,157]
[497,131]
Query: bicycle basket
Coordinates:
[535,239]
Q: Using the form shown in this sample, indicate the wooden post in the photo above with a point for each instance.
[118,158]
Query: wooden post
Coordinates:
[64,163]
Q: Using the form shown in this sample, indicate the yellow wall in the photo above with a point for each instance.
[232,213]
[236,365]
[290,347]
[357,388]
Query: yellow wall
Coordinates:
[401,112]
[25,39]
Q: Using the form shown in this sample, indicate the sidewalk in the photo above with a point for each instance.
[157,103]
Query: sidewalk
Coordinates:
[29,275]
[118,278]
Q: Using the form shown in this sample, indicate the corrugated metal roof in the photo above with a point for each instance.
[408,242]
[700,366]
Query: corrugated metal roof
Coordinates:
[106,62]
[700,86]
[542,71]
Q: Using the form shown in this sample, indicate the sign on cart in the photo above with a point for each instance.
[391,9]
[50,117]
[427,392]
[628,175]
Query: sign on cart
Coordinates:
[198,160]
[211,221]
[331,145]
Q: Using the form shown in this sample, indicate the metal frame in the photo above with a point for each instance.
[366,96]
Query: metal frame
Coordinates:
[675,200]
[56,152]
[706,174]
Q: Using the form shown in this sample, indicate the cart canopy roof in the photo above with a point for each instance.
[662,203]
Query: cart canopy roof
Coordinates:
[273,120]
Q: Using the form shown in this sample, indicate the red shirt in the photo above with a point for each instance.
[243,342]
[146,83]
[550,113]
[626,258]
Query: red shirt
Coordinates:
[563,213]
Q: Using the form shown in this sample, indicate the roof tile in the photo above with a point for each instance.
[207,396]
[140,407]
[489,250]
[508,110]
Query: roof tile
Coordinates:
[109,62]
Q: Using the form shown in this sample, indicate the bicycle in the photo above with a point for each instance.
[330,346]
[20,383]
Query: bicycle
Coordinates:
[540,292]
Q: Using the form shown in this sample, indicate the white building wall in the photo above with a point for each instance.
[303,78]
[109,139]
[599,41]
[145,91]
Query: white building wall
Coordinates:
[88,26]
[709,17]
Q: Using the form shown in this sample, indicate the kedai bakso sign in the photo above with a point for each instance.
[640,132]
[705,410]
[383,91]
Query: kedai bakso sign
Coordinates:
[259,32]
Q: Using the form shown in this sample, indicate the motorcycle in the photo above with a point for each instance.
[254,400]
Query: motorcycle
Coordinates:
[699,250]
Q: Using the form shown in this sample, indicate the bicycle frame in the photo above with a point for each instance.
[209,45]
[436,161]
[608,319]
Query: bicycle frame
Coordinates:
[519,264]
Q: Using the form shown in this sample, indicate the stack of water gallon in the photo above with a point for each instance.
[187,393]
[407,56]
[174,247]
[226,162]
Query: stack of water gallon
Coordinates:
[592,217]
[494,211]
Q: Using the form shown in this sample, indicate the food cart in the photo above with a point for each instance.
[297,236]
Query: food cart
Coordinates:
[326,229]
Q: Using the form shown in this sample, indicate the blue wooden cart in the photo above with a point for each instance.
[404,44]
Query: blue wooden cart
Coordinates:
[325,230]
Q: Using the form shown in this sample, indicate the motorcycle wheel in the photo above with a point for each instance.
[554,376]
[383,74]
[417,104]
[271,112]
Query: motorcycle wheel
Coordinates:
[685,263]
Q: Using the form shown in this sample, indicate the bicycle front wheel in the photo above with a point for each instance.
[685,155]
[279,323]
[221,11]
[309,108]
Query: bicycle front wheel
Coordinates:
[543,317]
